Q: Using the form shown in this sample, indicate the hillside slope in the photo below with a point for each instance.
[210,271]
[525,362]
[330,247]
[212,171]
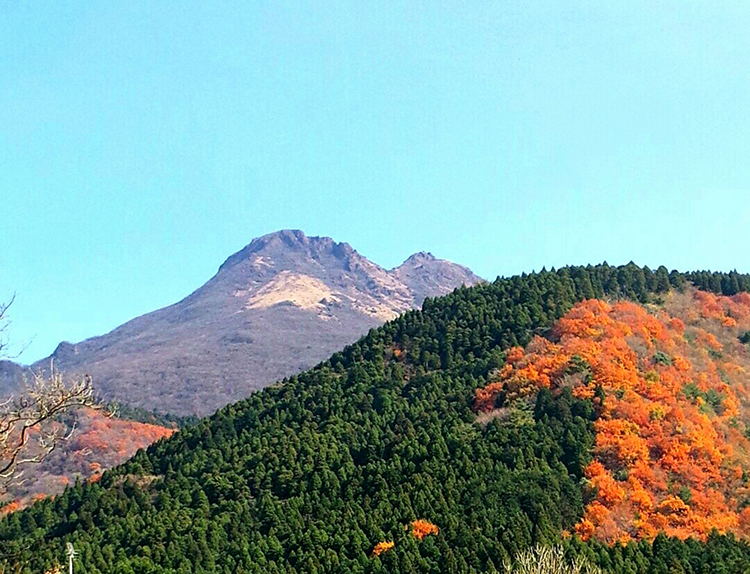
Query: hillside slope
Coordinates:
[671,386]
[277,307]
[376,460]
[98,443]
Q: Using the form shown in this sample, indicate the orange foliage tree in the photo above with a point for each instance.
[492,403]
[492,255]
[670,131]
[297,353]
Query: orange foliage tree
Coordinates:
[670,452]
[382,547]
[421,528]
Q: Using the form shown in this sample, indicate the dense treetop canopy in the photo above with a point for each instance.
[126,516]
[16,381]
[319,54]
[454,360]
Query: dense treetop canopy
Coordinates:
[311,475]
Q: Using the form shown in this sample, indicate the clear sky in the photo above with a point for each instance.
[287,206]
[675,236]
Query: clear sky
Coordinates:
[141,143]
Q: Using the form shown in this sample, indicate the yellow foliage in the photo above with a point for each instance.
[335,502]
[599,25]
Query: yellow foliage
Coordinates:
[382,547]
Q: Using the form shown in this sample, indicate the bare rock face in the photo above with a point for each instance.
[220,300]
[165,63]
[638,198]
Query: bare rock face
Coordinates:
[276,307]
[427,276]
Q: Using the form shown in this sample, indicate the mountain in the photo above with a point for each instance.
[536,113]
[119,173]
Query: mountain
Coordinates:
[11,376]
[427,276]
[278,306]
[603,409]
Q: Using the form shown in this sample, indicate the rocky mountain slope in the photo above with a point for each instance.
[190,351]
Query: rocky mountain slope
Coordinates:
[277,307]
[11,375]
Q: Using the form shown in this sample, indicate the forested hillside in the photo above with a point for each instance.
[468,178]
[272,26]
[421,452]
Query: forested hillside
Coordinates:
[386,458]
[671,388]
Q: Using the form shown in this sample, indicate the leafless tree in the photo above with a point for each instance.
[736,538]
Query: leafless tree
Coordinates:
[548,560]
[4,325]
[34,422]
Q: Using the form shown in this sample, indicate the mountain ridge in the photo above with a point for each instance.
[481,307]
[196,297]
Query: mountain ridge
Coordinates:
[277,306]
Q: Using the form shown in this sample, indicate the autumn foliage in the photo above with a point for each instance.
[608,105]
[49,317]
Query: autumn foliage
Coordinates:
[112,440]
[382,547]
[10,507]
[671,388]
[421,529]
[99,442]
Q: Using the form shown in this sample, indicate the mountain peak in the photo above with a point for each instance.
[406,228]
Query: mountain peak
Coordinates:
[279,305]
[287,241]
[290,237]
[420,257]
[428,276]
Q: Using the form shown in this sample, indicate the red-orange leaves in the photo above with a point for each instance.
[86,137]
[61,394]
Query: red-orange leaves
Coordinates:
[619,443]
[670,452]
[421,528]
[10,507]
[98,443]
[382,547]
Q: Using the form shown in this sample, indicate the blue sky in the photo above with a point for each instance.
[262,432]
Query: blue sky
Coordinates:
[141,143]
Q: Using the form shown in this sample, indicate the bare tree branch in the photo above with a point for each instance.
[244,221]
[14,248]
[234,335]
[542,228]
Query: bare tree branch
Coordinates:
[40,417]
[4,325]
[34,423]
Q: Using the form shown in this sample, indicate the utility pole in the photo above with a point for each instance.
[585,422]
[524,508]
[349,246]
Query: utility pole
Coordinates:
[71,554]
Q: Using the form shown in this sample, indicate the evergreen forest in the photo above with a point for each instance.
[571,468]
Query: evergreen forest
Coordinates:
[378,460]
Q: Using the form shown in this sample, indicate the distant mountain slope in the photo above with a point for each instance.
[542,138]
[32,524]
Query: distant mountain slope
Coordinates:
[11,375]
[275,308]
[98,443]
